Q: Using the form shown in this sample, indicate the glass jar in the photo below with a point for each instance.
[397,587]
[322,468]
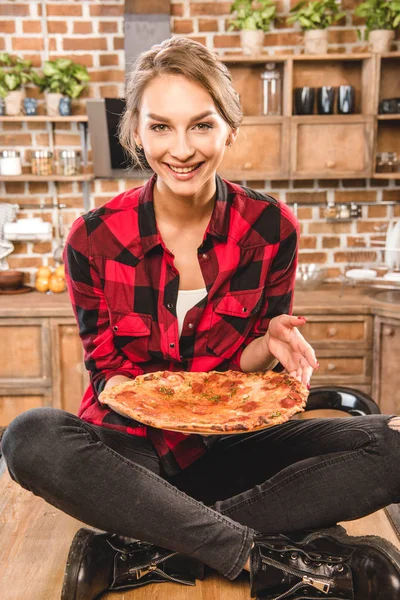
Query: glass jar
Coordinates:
[42,162]
[69,163]
[10,162]
[272,90]
[344,211]
[331,211]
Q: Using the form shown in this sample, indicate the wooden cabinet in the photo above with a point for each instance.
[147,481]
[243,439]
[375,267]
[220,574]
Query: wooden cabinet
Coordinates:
[321,146]
[339,148]
[42,365]
[386,371]
[343,346]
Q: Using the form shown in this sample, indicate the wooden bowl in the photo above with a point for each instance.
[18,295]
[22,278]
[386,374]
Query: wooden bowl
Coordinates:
[11,280]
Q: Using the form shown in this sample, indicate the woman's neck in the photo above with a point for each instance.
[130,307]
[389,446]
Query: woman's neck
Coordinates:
[183,210]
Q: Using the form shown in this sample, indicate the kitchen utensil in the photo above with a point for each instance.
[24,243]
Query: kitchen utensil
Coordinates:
[396,244]
[11,279]
[390,254]
[325,99]
[22,290]
[361,274]
[304,100]
[59,241]
[345,99]
[309,277]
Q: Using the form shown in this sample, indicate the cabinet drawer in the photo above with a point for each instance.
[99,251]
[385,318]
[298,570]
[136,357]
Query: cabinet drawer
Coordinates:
[25,347]
[13,402]
[343,367]
[353,329]
[340,148]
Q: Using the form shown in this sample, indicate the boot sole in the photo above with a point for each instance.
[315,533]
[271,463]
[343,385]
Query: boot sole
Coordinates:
[77,550]
[340,534]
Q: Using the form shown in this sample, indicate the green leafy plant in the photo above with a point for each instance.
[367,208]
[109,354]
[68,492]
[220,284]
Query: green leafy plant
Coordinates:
[15,75]
[62,76]
[252,15]
[378,14]
[319,14]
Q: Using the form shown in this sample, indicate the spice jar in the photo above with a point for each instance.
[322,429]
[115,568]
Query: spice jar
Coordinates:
[331,211]
[383,164]
[69,163]
[344,211]
[10,162]
[42,162]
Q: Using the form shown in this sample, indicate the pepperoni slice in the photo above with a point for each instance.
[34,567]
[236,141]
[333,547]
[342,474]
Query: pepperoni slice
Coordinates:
[288,402]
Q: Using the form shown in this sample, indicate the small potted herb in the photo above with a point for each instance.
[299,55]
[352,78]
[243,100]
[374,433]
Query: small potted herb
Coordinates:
[381,19]
[62,79]
[13,77]
[253,19]
[314,19]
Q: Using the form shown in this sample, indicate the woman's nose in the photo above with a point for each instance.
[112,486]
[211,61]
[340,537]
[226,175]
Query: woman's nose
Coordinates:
[182,148]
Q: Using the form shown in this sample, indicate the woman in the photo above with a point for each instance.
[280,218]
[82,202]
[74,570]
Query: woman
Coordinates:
[192,272]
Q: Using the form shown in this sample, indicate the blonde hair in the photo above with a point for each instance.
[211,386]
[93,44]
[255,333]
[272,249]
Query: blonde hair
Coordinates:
[183,56]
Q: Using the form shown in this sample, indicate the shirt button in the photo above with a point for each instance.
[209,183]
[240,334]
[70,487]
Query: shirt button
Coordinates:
[244,309]
[190,325]
[181,356]
[169,305]
[205,256]
[115,328]
[172,345]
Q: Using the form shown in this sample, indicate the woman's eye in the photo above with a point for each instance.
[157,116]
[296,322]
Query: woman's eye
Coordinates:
[204,125]
[201,126]
[155,127]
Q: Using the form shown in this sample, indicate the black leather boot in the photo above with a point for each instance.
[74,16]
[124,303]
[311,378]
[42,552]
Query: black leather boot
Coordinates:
[98,562]
[324,564]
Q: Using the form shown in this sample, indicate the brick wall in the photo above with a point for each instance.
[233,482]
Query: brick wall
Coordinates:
[91,33]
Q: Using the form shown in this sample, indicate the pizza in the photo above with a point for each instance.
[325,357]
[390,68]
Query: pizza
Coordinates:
[208,402]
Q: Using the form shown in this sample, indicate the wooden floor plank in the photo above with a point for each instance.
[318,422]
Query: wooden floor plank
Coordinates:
[35,538]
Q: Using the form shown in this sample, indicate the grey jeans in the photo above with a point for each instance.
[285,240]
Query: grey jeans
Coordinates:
[303,474]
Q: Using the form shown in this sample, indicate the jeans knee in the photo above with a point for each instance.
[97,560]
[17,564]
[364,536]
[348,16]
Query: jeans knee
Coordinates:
[28,437]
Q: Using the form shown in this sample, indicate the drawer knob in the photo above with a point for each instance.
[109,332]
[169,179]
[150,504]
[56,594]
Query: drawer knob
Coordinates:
[388,330]
[331,367]
[330,164]
[248,165]
[332,331]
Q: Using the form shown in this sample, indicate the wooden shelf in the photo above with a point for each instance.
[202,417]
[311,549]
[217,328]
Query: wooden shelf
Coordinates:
[44,119]
[392,117]
[46,178]
[385,175]
[264,58]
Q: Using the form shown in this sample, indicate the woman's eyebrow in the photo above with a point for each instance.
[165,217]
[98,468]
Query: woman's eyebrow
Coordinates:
[196,118]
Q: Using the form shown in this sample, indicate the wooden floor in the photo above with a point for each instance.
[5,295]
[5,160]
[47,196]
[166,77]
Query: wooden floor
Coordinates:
[35,538]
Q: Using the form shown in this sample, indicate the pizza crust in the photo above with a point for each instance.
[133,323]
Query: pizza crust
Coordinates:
[208,403]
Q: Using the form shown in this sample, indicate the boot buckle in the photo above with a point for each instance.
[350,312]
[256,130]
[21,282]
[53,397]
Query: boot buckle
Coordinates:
[322,586]
[142,572]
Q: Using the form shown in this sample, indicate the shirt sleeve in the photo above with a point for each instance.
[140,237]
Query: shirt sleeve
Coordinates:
[86,293]
[279,290]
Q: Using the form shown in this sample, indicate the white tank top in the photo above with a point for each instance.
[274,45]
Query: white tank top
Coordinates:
[186,300]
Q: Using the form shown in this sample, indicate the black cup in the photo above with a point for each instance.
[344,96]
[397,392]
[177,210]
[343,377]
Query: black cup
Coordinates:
[345,99]
[325,100]
[304,100]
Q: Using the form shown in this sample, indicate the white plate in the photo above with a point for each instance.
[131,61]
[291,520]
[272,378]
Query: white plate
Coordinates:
[361,274]
[392,276]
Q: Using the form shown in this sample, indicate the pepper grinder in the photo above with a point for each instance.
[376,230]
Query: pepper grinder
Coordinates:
[272,90]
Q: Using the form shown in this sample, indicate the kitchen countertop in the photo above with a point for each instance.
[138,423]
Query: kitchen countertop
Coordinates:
[329,298]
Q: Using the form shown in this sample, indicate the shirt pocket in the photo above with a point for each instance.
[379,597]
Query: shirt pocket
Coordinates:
[231,320]
[132,335]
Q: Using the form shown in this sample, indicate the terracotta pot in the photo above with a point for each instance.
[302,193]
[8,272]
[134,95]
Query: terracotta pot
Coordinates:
[11,279]
[252,41]
[13,102]
[53,103]
[381,39]
[316,41]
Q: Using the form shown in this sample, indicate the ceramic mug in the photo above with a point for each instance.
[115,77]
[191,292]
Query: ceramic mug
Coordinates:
[30,106]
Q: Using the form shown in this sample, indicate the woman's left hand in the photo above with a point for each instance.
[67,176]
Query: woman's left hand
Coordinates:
[286,343]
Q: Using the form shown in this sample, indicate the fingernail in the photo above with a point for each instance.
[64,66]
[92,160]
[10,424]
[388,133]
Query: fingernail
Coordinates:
[303,319]
[317,367]
[308,386]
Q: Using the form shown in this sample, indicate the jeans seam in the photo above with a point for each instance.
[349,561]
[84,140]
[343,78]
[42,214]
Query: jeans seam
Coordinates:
[177,492]
[114,431]
[291,478]
[246,536]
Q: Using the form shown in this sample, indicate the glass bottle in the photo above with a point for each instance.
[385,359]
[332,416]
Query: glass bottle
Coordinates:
[69,163]
[272,90]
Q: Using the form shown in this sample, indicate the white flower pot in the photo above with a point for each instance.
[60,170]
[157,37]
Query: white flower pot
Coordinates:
[381,39]
[13,102]
[252,41]
[316,41]
[52,103]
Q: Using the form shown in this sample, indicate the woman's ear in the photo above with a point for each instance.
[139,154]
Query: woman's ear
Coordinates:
[232,137]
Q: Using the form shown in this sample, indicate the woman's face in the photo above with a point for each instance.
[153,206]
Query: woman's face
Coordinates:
[182,134]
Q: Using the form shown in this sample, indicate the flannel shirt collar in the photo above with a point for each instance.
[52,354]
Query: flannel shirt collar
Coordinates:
[149,236]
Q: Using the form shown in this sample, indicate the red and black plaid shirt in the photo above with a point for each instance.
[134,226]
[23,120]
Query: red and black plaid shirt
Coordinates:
[124,287]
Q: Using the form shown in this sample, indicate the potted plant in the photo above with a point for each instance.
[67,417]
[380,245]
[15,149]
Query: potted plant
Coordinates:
[381,19]
[253,19]
[314,19]
[13,77]
[62,79]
